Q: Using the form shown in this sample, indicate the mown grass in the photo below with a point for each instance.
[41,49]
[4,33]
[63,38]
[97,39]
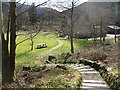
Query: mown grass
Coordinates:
[78,43]
[26,57]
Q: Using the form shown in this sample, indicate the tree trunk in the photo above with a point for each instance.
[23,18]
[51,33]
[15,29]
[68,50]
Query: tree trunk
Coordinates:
[0,39]
[6,71]
[104,35]
[31,38]
[101,31]
[6,74]
[12,37]
[103,38]
[115,35]
[71,33]
[94,33]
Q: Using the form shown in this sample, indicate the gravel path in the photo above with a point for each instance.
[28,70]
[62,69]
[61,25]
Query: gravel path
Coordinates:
[91,78]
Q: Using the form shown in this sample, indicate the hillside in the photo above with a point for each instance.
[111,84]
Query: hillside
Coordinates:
[44,14]
[40,11]
[93,13]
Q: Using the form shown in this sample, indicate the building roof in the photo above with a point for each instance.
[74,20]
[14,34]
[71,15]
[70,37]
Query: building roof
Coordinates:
[113,27]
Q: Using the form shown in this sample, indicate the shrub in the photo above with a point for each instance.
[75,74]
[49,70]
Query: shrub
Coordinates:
[64,56]
[97,56]
[58,82]
[112,79]
[71,60]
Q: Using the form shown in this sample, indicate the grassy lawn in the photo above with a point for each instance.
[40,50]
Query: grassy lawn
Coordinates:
[78,43]
[26,57]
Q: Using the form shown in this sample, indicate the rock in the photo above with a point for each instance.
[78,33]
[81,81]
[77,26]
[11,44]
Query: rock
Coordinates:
[61,67]
[50,58]
[26,68]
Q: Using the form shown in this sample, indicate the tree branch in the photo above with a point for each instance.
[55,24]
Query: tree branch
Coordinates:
[35,7]
[29,38]
[28,33]
[78,16]
[18,2]
[20,6]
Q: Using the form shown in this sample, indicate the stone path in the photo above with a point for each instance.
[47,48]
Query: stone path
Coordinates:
[91,78]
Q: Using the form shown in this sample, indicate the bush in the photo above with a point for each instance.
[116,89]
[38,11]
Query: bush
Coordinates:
[97,56]
[58,82]
[66,81]
[112,79]
[64,58]
[71,60]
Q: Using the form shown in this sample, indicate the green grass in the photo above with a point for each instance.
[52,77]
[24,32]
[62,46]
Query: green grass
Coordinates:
[26,57]
[78,43]
[82,43]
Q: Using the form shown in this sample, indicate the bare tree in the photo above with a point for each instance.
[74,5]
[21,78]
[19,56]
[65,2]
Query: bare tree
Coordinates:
[70,5]
[101,22]
[33,20]
[8,59]
[114,18]
[9,51]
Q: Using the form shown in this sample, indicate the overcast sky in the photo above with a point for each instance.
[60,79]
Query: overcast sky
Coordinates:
[51,3]
[40,1]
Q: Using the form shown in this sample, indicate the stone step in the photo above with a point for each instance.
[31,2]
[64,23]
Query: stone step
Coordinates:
[90,69]
[94,85]
[94,81]
[93,88]
[88,73]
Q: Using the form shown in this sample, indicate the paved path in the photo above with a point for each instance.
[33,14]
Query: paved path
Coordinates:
[91,78]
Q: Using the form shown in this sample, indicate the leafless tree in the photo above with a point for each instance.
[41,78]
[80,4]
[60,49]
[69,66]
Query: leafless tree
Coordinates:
[70,5]
[9,50]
